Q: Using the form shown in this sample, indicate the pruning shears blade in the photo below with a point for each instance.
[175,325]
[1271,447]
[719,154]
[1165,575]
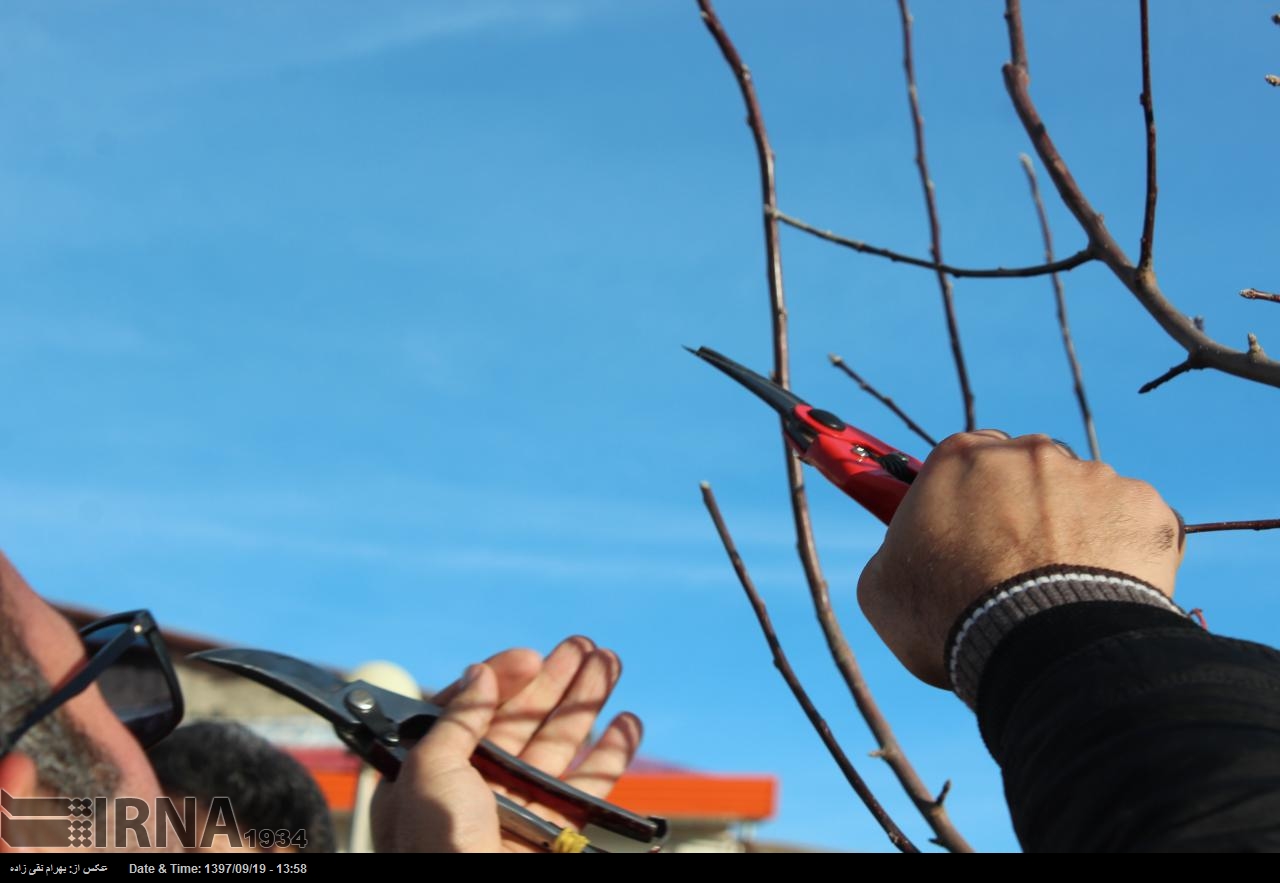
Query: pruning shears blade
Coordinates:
[772,394]
[873,473]
[308,684]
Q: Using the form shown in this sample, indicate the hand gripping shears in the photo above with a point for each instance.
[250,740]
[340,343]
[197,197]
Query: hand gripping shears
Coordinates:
[873,473]
[382,726]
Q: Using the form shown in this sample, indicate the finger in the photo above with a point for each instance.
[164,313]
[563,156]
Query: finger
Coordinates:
[521,715]
[609,758]
[453,738]
[561,737]
[515,670]
[960,446]
[1040,441]
[960,441]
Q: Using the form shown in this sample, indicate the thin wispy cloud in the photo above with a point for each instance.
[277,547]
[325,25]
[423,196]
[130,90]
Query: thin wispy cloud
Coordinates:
[292,526]
[194,43]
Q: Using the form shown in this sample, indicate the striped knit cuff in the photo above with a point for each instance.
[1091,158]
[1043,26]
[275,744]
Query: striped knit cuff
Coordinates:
[986,622]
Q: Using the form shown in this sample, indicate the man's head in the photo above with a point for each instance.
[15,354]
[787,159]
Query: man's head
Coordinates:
[80,750]
[267,788]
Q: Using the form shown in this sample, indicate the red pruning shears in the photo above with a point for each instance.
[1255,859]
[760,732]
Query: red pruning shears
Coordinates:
[865,468]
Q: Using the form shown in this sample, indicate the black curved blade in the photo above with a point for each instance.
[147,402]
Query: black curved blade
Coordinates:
[312,686]
[781,400]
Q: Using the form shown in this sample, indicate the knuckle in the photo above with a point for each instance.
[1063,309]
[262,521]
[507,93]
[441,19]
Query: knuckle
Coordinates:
[1043,449]
[961,443]
[1100,469]
[1037,441]
[1142,494]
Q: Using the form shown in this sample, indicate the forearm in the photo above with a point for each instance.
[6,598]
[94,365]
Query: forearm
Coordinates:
[1122,726]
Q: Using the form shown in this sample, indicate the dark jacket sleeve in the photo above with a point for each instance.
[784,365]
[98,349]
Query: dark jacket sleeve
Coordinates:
[1121,727]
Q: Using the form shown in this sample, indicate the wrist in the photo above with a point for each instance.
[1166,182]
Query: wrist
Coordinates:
[992,616]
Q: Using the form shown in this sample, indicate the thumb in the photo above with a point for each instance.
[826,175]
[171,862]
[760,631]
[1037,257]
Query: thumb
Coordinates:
[454,737]
[439,803]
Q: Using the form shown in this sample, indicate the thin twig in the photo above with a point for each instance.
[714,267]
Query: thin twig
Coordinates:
[896,837]
[764,155]
[1255,294]
[1081,257]
[1077,376]
[882,398]
[1207,527]
[935,230]
[806,547]
[1181,368]
[1202,350]
[1149,115]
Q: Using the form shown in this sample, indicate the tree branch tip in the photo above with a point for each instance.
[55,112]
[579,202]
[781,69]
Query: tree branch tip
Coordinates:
[1191,363]
[1255,348]
[878,753]
[1276,18]
[705,485]
[942,795]
[835,359]
[1272,79]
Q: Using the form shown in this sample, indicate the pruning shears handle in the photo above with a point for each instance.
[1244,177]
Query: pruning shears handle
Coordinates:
[873,473]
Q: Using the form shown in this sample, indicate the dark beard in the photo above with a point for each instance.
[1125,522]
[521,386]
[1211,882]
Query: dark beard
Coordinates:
[68,762]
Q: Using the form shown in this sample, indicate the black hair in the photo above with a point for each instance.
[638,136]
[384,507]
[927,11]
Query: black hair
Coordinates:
[267,788]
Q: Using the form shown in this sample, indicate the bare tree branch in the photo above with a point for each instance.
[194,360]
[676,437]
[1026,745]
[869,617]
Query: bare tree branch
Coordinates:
[780,662]
[806,547]
[1255,294]
[882,398]
[1076,375]
[1207,527]
[1149,114]
[1081,257]
[935,230]
[764,154]
[1203,351]
[1181,368]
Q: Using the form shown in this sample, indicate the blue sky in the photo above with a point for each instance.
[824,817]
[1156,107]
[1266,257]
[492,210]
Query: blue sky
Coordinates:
[355,332]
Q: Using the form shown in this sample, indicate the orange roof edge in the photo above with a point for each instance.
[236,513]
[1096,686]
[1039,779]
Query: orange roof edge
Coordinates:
[698,795]
[670,795]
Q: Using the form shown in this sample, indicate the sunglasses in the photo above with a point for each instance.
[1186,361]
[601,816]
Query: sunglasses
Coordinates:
[128,660]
